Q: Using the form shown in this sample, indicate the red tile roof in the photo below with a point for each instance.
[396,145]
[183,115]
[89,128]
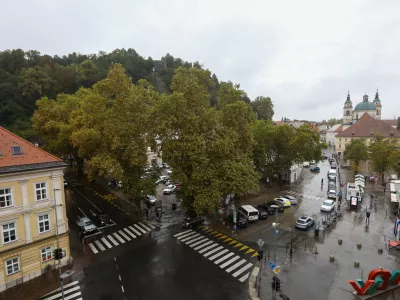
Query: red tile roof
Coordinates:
[339,129]
[31,155]
[366,126]
[391,122]
[279,123]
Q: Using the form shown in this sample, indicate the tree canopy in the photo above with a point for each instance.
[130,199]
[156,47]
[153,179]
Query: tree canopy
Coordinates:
[356,151]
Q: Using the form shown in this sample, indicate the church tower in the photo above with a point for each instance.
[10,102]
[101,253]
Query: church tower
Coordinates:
[378,105]
[347,110]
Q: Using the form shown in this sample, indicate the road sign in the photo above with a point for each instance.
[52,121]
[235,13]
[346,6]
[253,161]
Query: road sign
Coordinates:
[260,243]
[272,265]
[276,270]
[234,226]
[276,231]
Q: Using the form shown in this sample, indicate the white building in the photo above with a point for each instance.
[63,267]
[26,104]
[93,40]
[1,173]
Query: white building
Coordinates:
[331,134]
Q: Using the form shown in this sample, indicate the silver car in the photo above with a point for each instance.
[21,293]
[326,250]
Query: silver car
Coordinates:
[304,222]
[86,225]
[292,199]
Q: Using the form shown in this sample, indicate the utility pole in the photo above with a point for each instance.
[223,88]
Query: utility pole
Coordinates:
[58,243]
[260,244]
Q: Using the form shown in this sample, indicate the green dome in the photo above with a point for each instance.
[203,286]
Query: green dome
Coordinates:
[365,106]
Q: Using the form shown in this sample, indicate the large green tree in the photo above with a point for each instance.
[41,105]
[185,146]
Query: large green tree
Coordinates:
[263,107]
[356,152]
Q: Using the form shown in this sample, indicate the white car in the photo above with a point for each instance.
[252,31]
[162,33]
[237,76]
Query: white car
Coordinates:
[169,189]
[306,164]
[151,199]
[328,205]
[332,194]
[293,200]
[86,225]
[169,172]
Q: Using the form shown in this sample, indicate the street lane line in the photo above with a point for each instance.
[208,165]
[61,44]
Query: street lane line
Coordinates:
[135,231]
[194,240]
[93,248]
[238,272]
[144,226]
[243,278]
[218,254]
[223,258]
[65,286]
[140,228]
[73,296]
[180,233]
[229,262]
[130,233]
[66,291]
[151,226]
[199,242]
[186,235]
[190,237]
[100,246]
[203,245]
[82,211]
[209,247]
[235,265]
[212,251]
[87,200]
[124,235]
[106,243]
[119,238]
[112,240]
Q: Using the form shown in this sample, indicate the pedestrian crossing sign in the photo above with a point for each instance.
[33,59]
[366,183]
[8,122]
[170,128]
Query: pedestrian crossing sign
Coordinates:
[276,270]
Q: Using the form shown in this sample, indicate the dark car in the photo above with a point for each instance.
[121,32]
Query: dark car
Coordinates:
[315,169]
[241,220]
[191,222]
[102,220]
[274,202]
[262,213]
[268,208]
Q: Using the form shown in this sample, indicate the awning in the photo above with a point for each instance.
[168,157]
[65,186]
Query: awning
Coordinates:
[393,198]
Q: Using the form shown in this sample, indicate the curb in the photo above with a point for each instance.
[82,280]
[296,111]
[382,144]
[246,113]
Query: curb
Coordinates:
[253,284]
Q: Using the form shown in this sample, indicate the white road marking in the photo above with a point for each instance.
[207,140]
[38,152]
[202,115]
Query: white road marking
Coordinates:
[124,235]
[93,248]
[218,254]
[135,231]
[106,243]
[209,247]
[119,276]
[151,226]
[112,240]
[199,242]
[212,251]
[82,211]
[223,258]
[100,246]
[203,245]
[186,235]
[140,228]
[88,200]
[66,291]
[130,233]
[238,272]
[72,296]
[144,226]
[229,262]
[190,237]
[119,238]
[196,239]
[235,265]
[244,277]
[122,288]
[183,232]
[65,286]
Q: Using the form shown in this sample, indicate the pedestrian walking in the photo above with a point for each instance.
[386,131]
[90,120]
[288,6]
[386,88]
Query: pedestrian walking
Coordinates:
[368,213]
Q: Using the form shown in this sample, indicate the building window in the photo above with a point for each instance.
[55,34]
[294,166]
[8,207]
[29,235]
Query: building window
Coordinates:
[5,197]
[46,254]
[12,265]
[340,139]
[340,146]
[347,113]
[377,112]
[356,117]
[17,150]
[9,233]
[345,140]
[44,223]
[41,191]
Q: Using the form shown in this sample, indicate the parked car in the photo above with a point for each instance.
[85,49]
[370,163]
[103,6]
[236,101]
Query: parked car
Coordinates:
[241,220]
[151,199]
[313,162]
[267,208]
[315,169]
[284,201]
[250,212]
[306,164]
[169,189]
[292,199]
[191,222]
[103,220]
[262,213]
[169,172]
[304,222]
[86,225]
[279,204]
[331,194]
[328,205]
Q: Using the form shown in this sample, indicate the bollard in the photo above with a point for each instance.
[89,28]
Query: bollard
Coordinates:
[340,241]
[316,250]
[331,258]
[356,264]
[386,212]
[380,250]
[358,246]
[305,247]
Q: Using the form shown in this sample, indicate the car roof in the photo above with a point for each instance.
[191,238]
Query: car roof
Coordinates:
[328,200]
[85,219]
[249,208]
[289,197]
[304,218]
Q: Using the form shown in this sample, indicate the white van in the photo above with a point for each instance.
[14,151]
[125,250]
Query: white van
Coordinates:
[332,172]
[250,212]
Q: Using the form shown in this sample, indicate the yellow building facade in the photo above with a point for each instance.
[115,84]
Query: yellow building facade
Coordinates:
[31,194]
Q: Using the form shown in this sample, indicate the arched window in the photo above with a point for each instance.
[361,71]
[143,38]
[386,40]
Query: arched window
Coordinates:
[347,113]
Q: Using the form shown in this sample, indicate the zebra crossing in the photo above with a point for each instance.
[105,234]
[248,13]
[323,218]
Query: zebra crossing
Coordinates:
[227,260]
[72,291]
[120,237]
[316,198]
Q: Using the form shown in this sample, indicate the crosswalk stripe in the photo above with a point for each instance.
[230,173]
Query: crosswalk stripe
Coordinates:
[190,237]
[212,251]
[186,235]
[151,225]
[124,235]
[66,291]
[223,258]
[130,233]
[144,226]
[93,248]
[218,254]
[244,277]
[227,263]
[72,296]
[65,286]
[203,245]
[135,231]
[231,268]
[208,247]
[240,271]
[119,238]
[106,243]
[140,228]
[183,232]
[199,242]
[112,240]
[100,246]
[194,240]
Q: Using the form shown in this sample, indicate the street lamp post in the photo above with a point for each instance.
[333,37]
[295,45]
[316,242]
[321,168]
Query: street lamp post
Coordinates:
[275,225]
[260,244]
[58,243]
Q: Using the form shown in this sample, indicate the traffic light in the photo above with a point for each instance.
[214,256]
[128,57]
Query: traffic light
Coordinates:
[174,206]
[276,283]
[260,255]
[58,254]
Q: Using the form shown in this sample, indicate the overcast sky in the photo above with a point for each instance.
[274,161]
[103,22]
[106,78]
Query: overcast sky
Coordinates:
[305,55]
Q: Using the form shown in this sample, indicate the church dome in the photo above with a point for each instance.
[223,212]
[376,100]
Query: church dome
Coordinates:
[365,105]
